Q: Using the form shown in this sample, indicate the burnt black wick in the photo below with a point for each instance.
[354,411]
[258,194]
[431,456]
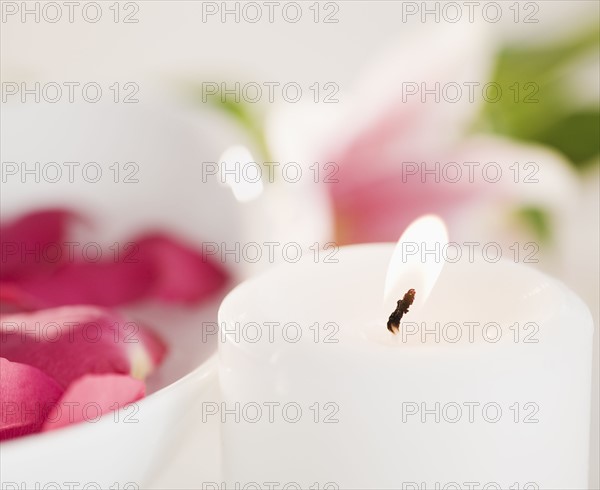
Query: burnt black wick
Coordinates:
[393,324]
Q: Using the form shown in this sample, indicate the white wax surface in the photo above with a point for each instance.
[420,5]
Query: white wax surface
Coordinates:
[371,379]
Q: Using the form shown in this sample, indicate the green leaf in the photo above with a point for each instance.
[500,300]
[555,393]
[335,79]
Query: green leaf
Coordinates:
[536,106]
[577,135]
[536,220]
[239,112]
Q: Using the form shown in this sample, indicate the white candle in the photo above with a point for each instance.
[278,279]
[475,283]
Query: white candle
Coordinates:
[374,410]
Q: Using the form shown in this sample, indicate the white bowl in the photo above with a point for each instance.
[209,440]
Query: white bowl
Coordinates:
[125,449]
[132,445]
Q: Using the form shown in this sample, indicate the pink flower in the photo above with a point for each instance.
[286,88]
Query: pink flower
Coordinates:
[393,127]
[80,355]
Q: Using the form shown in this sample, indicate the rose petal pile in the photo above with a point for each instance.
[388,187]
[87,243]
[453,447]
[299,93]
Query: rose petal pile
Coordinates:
[63,365]
[154,267]
[65,356]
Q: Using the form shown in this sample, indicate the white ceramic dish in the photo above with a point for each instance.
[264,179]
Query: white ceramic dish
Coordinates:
[127,449]
[136,443]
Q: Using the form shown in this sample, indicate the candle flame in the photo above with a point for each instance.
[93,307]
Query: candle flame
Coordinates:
[241,173]
[416,262]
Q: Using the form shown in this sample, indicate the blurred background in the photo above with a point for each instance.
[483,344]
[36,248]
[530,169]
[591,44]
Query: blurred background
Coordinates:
[362,96]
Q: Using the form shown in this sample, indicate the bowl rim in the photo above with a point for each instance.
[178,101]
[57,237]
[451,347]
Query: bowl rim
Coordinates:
[203,372]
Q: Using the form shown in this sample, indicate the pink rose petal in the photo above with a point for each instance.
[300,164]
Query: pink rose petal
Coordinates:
[27,396]
[91,396]
[182,274]
[13,299]
[103,284]
[158,267]
[67,343]
[22,241]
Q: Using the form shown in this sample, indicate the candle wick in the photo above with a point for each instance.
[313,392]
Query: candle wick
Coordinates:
[393,324]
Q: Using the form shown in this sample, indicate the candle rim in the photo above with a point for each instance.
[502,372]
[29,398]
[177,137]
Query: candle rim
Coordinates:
[566,297]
